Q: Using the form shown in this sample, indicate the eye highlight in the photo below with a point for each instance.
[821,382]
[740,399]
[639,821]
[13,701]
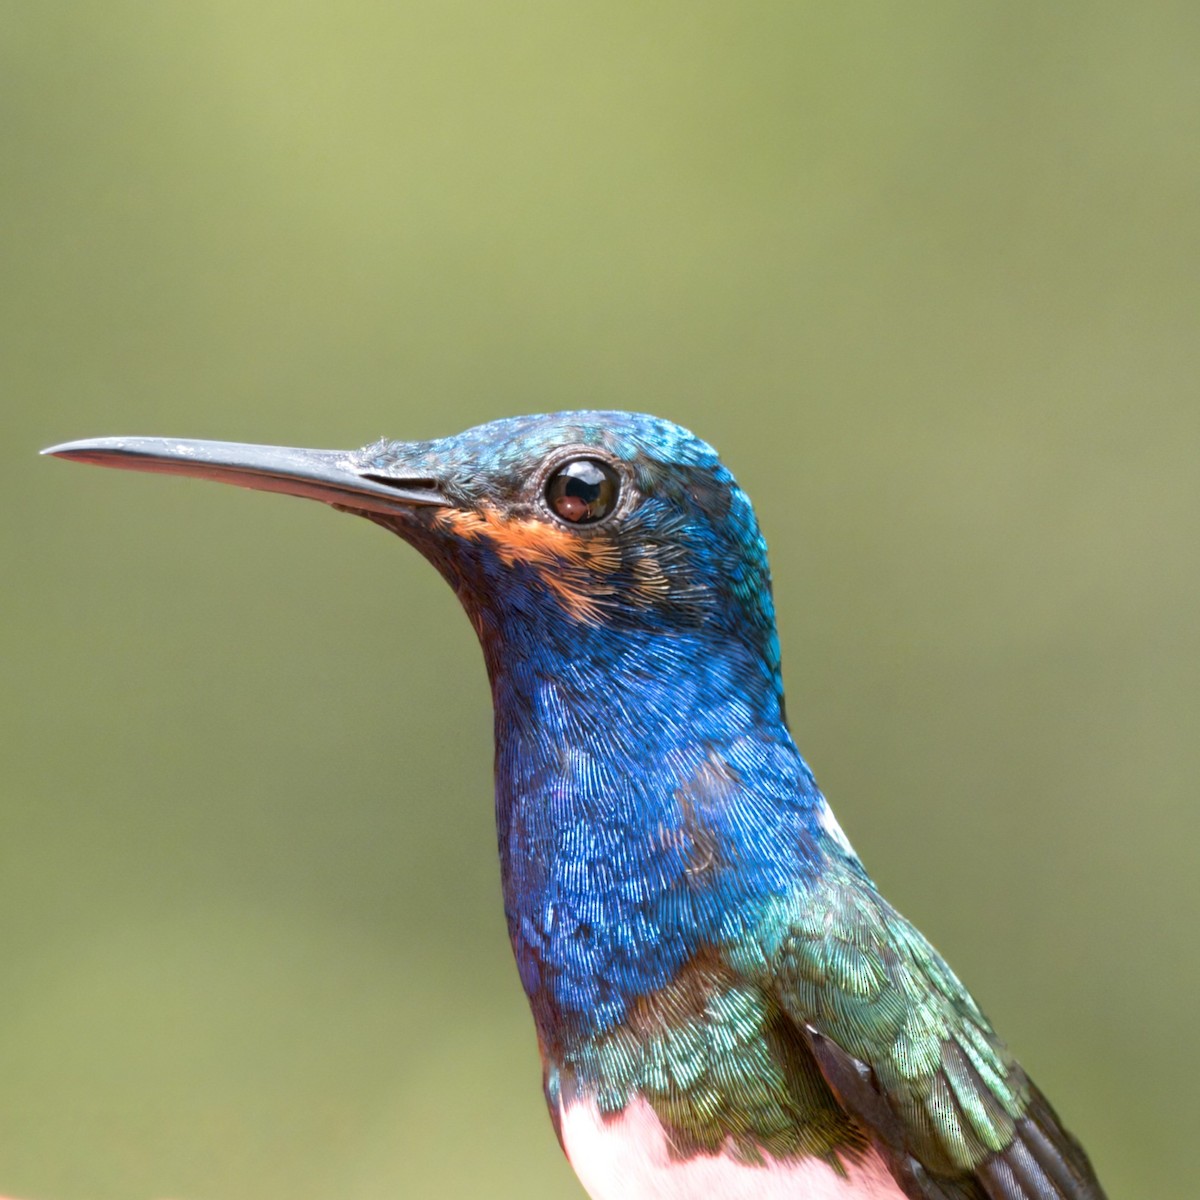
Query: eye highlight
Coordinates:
[582,491]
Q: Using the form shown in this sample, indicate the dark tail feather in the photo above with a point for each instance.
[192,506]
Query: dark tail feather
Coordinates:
[1044,1162]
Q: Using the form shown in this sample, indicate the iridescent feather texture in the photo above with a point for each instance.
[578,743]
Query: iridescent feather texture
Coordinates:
[725,1005]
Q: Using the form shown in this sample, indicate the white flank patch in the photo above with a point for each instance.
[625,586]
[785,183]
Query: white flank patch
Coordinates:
[628,1157]
[829,823]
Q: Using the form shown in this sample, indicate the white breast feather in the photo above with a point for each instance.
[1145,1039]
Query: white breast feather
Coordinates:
[628,1157]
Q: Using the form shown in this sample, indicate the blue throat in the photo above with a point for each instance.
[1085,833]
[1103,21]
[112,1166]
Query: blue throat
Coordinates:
[648,798]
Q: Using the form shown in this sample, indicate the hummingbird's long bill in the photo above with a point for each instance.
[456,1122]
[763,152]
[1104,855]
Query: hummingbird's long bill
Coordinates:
[331,476]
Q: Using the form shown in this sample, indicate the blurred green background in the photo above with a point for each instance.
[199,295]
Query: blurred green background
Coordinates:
[928,277]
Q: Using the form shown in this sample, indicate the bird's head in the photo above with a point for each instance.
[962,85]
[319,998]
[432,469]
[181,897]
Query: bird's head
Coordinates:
[569,533]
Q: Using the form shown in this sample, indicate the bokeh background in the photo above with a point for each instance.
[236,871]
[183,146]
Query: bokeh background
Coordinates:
[927,275]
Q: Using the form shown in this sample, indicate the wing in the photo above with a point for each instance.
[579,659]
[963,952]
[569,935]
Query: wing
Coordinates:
[907,1051]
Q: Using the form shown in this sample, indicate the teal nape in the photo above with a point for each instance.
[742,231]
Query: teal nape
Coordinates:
[725,1005]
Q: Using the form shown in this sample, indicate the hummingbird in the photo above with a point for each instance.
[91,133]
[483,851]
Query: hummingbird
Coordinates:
[726,1007]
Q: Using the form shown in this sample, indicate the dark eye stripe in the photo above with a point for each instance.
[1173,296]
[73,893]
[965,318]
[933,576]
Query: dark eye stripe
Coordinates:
[582,491]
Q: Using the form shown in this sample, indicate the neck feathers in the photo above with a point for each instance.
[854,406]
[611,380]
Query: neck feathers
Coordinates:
[644,802]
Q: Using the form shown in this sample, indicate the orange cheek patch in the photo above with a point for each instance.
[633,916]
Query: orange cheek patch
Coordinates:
[577,570]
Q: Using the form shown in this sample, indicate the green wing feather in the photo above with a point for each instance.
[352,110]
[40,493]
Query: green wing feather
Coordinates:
[907,1051]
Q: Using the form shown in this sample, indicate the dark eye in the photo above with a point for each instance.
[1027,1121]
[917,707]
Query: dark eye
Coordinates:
[582,491]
